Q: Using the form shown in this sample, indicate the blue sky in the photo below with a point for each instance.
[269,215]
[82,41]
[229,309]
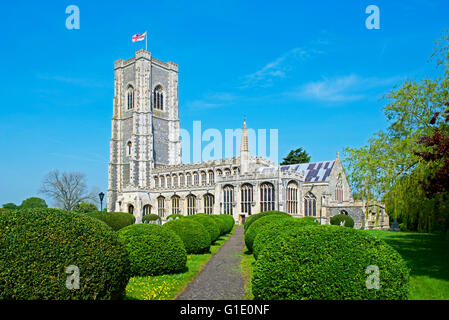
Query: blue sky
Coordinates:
[311,70]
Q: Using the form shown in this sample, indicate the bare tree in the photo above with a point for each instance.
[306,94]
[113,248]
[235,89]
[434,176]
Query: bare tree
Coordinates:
[67,189]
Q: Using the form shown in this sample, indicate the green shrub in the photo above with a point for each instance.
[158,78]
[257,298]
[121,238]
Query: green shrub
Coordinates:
[153,249]
[255,217]
[33,203]
[209,223]
[339,218]
[175,216]
[151,217]
[229,221]
[116,220]
[328,262]
[221,223]
[10,206]
[37,245]
[85,207]
[257,225]
[193,234]
[269,232]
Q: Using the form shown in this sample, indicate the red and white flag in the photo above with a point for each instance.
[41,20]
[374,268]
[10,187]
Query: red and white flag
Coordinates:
[139,37]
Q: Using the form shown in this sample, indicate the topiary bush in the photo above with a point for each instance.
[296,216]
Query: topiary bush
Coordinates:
[221,223]
[209,223]
[257,225]
[116,220]
[339,218]
[193,234]
[328,262]
[37,245]
[270,232]
[153,249]
[255,217]
[229,221]
[150,218]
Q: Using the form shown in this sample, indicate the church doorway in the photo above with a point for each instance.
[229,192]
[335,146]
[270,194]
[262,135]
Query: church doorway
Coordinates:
[242,219]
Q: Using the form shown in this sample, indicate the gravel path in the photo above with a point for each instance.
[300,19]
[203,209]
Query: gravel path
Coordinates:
[220,278]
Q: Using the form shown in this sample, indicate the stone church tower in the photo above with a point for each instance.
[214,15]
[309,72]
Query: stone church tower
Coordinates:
[145,123]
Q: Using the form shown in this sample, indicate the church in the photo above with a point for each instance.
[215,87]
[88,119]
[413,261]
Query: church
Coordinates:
[146,174]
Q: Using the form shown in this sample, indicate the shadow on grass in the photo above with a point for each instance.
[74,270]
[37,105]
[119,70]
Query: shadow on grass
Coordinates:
[426,254]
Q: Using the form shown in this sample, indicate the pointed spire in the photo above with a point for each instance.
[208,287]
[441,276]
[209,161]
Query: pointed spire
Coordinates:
[244,150]
[244,145]
[338,155]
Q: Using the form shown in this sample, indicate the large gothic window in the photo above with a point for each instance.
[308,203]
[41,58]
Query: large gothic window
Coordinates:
[339,191]
[310,205]
[247,198]
[159,98]
[266,197]
[161,206]
[228,199]
[130,97]
[146,209]
[208,203]
[292,198]
[175,205]
[191,201]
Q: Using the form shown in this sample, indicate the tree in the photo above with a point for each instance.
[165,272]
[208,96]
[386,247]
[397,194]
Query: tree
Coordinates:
[85,207]
[10,206]
[67,189]
[296,156]
[33,203]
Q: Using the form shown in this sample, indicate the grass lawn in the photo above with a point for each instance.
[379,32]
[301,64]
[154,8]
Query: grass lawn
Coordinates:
[168,286]
[427,256]
[246,267]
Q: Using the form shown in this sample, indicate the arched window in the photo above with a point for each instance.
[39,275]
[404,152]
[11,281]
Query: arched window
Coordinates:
[266,197]
[146,209]
[310,205]
[131,209]
[189,179]
[228,199]
[292,198]
[196,178]
[219,172]
[162,182]
[159,98]
[339,191]
[227,172]
[175,205]
[156,182]
[191,201]
[181,180]
[129,147]
[175,180]
[208,203]
[211,177]
[130,97]
[235,171]
[203,178]
[168,182]
[161,206]
[247,198]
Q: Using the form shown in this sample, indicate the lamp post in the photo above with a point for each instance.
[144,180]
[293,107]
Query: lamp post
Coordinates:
[101,196]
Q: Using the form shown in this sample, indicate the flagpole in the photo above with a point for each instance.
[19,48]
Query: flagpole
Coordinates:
[146,39]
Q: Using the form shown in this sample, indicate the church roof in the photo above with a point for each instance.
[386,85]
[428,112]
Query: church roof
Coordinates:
[313,171]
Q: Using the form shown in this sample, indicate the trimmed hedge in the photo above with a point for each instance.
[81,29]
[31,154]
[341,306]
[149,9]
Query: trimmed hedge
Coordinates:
[153,250]
[193,234]
[221,223]
[209,223]
[257,225]
[116,220]
[339,218]
[229,221]
[150,217]
[328,262]
[37,245]
[255,217]
[270,232]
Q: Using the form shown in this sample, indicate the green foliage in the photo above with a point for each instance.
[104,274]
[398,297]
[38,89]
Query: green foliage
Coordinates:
[33,203]
[328,263]
[269,232]
[193,234]
[85,207]
[258,225]
[37,245]
[296,156]
[10,206]
[116,220]
[229,221]
[175,216]
[209,223]
[151,217]
[153,249]
[254,217]
[221,223]
[339,218]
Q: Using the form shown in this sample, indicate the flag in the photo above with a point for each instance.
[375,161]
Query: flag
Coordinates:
[138,37]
